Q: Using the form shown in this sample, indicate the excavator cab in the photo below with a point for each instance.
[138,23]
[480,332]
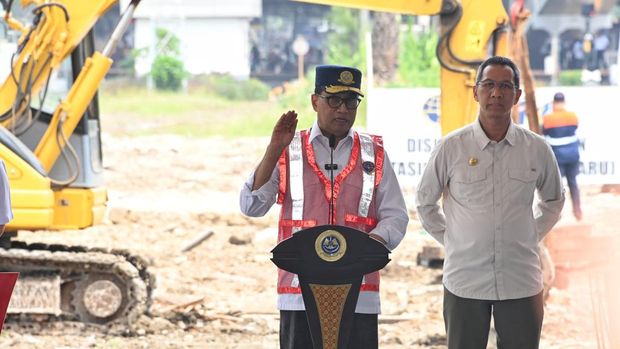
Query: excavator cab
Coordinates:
[50,142]
[76,179]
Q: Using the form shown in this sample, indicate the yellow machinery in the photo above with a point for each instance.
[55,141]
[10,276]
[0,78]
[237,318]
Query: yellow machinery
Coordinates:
[471,30]
[54,166]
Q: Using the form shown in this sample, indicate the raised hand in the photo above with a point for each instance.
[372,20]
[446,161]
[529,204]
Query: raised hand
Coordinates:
[281,137]
[283,131]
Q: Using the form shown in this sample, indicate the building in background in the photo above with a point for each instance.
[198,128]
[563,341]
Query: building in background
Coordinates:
[559,32]
[214,35]
[272,36]
[243,38]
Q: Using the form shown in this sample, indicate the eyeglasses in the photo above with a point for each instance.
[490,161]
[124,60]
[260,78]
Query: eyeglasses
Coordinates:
[336,101]
[489,85]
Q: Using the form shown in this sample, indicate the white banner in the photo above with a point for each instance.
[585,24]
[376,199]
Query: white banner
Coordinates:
[408,120]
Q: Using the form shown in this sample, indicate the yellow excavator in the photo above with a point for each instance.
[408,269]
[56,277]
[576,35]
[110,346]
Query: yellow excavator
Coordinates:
[52,153]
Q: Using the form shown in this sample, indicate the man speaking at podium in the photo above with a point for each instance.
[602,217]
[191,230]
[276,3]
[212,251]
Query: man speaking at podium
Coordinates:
[297,172]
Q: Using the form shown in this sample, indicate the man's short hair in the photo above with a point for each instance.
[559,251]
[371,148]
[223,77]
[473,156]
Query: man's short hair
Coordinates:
[558,97]
[500,60]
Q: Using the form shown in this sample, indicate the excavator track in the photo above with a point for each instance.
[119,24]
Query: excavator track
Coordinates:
[98,286]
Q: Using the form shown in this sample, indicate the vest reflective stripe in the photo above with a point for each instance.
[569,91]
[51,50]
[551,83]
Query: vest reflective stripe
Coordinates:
[289,290]
[561,140]
[296,177]
[368,287]
[368,178]
[309,223]
[378,159]
[371,222]
[297,290]
[283,179]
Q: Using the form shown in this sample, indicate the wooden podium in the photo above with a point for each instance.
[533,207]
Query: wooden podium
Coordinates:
[330,262]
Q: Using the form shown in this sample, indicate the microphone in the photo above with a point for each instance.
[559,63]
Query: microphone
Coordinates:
[332,145]
[331,167]
[332,142]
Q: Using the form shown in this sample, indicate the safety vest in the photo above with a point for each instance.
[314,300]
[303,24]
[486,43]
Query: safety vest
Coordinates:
[559,129]
[305,195]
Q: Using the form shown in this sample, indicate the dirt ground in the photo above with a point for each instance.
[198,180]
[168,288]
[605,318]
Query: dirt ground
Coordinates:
[165,191]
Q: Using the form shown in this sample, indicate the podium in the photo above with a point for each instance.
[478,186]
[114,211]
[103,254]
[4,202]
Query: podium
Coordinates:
[330,262]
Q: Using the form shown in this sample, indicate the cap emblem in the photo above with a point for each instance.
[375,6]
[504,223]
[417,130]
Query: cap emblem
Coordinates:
[346,77]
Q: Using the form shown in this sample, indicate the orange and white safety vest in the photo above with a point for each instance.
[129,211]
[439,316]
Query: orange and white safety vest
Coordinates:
[305,195]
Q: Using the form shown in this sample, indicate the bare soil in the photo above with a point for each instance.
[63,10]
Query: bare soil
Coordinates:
[166,191]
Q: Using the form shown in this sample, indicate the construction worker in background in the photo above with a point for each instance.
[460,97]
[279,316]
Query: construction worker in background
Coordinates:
[600,45]
[559,128]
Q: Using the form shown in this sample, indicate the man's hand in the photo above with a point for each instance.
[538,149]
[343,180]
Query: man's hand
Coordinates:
[284,131]
[281,137]
[378,238]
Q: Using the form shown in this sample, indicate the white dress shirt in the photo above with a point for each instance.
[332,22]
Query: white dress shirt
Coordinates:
[488,226]
[391,210]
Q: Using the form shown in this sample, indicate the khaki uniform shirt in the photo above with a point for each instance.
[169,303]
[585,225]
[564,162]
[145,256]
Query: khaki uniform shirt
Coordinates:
[488,225]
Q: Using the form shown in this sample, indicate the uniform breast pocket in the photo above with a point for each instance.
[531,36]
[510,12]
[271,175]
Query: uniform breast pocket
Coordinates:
[470,186]
[521,185]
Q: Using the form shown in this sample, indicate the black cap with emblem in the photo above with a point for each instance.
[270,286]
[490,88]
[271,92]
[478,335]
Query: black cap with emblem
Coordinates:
[336,79]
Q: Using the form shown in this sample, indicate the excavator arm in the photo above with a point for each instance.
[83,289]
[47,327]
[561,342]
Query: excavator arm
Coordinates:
[49,191]
[470,30]
[57,29]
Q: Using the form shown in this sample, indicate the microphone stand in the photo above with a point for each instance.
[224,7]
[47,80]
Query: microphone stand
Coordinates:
[331,167]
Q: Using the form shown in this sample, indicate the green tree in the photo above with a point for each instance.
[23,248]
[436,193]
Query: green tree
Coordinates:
[168,44]
[128,64]
[418,63]
[167,70]
[168,73]
[344,41]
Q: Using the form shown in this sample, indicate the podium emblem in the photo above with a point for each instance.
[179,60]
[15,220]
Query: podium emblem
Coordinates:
[330,245]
